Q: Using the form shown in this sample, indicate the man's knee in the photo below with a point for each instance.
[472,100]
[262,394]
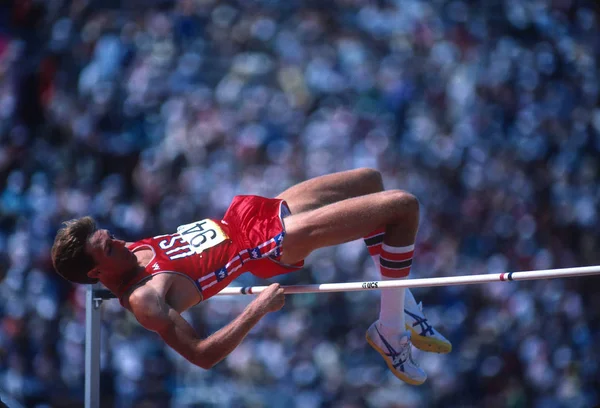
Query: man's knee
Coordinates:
[405,202]
[371,178]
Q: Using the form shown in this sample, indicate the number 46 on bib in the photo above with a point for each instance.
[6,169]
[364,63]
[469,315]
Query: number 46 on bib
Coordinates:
[201,235]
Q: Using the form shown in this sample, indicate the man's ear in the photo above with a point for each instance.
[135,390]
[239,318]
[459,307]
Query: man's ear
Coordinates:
[93,273]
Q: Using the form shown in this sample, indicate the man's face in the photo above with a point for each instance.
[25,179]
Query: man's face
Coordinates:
[110,254]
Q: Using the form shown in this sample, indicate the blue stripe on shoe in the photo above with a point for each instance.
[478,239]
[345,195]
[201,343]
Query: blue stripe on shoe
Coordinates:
[426,328]
[392,353]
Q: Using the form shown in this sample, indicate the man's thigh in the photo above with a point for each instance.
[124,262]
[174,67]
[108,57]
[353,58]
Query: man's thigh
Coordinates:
[339,222]
[331,188]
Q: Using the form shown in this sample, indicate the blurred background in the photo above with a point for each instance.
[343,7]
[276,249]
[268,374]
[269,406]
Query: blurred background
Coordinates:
[148,114]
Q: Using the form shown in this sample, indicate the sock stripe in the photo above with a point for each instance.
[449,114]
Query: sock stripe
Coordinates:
[396,257]
[399,250]
[374,240]
[395,273]
[395,265]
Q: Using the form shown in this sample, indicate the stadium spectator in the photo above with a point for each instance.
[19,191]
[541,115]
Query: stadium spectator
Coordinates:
[146,113]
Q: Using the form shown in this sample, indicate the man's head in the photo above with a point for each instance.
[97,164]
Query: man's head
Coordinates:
[69,256]
[82,253]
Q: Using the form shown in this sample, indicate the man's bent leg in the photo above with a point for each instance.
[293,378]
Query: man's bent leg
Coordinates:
[352,219]
[349,220]
[324,190]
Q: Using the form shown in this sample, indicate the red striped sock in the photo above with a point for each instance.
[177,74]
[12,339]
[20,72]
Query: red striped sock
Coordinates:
[374,241]
[395,262]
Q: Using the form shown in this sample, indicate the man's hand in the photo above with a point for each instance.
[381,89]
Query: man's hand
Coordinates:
[271,299]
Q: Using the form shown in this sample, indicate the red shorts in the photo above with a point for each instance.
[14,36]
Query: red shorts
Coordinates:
[256,226]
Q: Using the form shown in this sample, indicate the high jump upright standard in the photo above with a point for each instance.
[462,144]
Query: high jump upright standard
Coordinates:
[95,296]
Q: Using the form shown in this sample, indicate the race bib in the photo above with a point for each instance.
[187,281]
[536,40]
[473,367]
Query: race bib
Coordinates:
[201,235]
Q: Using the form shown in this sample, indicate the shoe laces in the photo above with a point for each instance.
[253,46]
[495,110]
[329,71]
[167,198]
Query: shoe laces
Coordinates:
[400,356]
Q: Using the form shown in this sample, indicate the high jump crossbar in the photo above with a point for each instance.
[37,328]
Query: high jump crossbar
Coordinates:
[95,296]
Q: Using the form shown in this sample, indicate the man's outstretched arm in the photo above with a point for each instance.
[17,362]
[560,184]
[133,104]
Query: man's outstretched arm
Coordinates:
[155,314]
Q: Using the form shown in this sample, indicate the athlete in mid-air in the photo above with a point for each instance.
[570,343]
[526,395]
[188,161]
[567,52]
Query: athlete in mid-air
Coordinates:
[160,277]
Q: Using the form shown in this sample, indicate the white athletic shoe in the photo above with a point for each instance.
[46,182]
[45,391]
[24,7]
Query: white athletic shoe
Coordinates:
[424,336]
[397,354]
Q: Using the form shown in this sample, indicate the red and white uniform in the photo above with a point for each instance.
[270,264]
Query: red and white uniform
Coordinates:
[213,253]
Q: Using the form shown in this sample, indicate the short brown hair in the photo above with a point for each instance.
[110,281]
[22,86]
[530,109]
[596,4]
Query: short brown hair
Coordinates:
[68,252]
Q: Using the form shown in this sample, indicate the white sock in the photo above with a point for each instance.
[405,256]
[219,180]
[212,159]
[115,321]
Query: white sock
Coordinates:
[391,309]
[397,265]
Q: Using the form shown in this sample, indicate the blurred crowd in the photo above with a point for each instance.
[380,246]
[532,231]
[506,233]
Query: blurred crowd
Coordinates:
[149,114]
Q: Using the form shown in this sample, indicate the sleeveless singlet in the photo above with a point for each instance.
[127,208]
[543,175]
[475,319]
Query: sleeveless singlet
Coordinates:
[213,253]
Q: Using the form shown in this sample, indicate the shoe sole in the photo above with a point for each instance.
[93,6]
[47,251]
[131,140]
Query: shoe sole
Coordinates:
[429,344]
[398,374]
